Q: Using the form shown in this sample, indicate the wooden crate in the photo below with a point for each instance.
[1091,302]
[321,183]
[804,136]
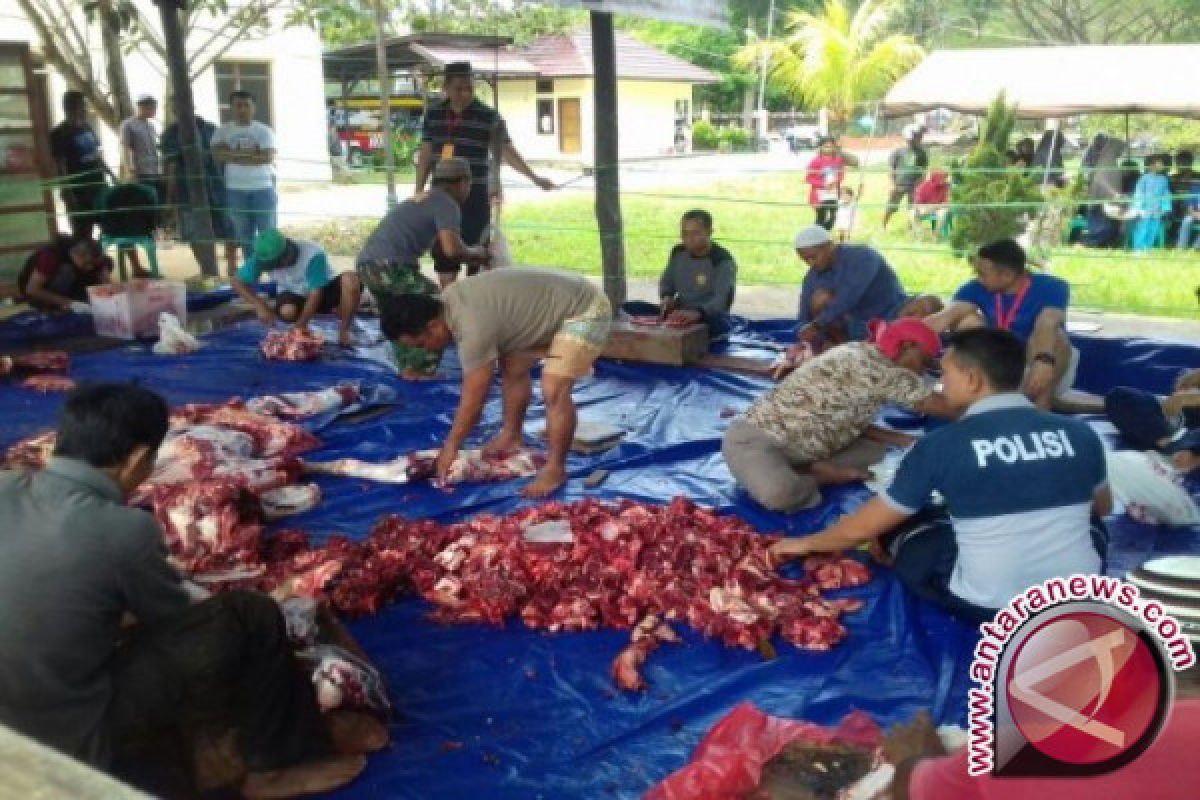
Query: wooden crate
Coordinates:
[657,345]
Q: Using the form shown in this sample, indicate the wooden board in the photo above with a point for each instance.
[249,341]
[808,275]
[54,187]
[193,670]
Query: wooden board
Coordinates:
[657,345]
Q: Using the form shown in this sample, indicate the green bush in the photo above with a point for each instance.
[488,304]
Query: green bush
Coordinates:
[992,202]
[704,136]
[735,139]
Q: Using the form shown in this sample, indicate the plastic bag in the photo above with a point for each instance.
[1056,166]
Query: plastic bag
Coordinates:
[498,249]
[1149,488]
[343,680]
[728,763]
[173,339]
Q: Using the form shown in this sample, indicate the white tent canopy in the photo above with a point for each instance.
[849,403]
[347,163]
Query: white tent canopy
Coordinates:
[1054,81]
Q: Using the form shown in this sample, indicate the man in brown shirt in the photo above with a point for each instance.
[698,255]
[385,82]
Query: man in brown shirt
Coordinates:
[516,317]
[815,428]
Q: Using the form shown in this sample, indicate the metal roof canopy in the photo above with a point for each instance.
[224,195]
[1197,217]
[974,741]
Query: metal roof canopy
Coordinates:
[1045,82]
[427,52]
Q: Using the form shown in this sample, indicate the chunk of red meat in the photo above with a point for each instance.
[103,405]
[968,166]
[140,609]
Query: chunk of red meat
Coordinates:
[208,526]
[833,572]
[48,383]
[42,361]
[297,405]
[271,437]
[471,466]
[31,452]
[293,344]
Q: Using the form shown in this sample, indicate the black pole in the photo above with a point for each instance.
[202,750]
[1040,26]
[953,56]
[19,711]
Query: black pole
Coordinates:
[608,184]
[185,118]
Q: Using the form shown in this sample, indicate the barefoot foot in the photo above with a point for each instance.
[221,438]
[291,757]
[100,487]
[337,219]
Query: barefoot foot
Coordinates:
[503,443]
[548,480]
[354,733]
[313,777]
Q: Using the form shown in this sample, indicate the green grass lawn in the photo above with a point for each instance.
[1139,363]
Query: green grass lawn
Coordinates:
[755,218]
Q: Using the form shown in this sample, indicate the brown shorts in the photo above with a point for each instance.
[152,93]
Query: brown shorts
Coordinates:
[580,341]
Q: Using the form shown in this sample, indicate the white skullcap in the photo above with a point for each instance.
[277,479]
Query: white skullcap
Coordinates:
[812,236]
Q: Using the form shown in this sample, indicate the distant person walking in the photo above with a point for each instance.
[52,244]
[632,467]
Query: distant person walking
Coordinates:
[80,162]
[247,149]
[177,189]
[908,164]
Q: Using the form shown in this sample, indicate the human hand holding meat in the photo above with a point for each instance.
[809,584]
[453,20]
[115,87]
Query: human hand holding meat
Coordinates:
[789,550]
[683,317]
[265,315]
[443,463]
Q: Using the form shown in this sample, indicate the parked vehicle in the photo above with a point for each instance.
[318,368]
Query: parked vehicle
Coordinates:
[802,137]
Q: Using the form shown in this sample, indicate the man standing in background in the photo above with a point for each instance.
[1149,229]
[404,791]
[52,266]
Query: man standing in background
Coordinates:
[139,151]
[461,126]
[908,164]
[80,162]
[247,149]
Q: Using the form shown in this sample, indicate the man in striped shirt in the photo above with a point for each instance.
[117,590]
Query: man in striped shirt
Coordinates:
[461,126]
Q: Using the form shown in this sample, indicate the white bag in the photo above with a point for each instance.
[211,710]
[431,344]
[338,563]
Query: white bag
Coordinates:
[173,339]
[1145,483]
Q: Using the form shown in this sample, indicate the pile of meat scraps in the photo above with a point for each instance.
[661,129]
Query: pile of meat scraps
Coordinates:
[294,344]
[753,756]
[471,466]
[589,565]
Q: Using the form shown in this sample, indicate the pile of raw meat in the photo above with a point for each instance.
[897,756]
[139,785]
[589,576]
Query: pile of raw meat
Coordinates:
[45,371]
[294,344]
[471,466]
[583,566]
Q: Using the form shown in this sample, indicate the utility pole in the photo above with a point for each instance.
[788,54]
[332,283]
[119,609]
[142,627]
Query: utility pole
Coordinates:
[762,78]
[189,140]
[608,182]
[385,101]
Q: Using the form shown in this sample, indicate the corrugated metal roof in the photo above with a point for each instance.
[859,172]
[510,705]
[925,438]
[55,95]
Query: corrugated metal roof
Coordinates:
[570,56]
[503,61]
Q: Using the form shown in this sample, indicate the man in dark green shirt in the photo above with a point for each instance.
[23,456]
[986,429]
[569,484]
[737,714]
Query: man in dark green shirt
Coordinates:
[75,561]
[699,282]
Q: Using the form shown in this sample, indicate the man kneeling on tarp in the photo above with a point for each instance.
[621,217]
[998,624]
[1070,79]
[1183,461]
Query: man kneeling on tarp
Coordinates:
[75,560]
[1023,489]
[699,281]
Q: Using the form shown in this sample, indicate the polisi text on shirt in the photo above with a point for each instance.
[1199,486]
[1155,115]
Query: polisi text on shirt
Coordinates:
[1032,446]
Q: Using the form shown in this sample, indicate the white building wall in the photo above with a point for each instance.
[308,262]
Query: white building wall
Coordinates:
[297,88]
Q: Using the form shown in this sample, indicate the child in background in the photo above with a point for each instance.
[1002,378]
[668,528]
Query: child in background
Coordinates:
[1151,204]
[847,211]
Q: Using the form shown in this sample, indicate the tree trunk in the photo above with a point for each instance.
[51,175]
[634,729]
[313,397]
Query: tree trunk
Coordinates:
[114,60]
[608,183]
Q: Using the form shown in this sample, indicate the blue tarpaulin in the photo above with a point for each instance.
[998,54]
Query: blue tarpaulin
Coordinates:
[499,713]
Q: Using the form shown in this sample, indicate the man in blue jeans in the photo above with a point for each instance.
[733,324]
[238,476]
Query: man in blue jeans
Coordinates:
[1023,488]
[246,149]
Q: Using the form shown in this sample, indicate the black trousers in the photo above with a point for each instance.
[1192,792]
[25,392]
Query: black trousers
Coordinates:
[476,216]
[826,214]
[225,661]
[925,552]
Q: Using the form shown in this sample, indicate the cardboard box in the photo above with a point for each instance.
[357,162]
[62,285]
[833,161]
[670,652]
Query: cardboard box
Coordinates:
[130,310]
[658,344]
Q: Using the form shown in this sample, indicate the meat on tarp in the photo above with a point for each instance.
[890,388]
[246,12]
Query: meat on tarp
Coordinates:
[294,344]
[471,466]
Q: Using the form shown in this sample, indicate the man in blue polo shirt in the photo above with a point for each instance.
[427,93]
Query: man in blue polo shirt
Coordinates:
[307,284]
[1006,295]
[1021,488]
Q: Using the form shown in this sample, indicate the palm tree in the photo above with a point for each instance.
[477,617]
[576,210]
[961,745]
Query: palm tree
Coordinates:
[837,60]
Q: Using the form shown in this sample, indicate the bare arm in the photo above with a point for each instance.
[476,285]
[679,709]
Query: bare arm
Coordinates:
[424,164]
[454,247]
[870,522]
[936,405]
[1174,405]
[247,158]
[1045,330]
[475,387]
[514,160]
[887,436]
[311,304]
[951,316]
[36,290]
[1102,502]
[261,309]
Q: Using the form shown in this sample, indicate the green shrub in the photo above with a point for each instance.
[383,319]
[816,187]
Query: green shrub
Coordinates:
[736,139]
[992,202]
[704,136]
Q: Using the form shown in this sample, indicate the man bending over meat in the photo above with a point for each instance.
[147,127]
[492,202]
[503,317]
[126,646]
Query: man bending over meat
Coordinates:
[1023,491]
[307,284]
[511,316]
[814,428]
[388,263]
[75,560]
